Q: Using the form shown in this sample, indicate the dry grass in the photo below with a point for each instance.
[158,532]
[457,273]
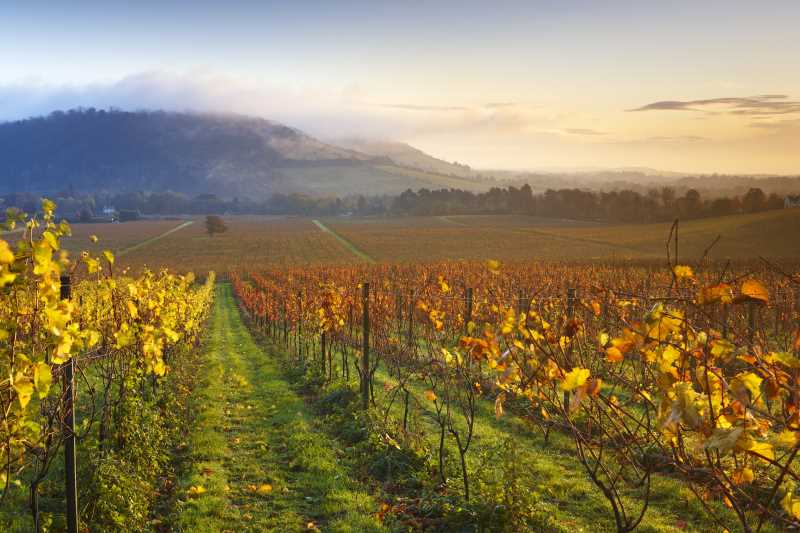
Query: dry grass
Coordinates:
[250,241]
[768,234]
[264,241]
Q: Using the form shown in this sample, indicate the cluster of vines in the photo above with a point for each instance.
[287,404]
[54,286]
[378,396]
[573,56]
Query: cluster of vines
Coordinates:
[115,333]
[650,370]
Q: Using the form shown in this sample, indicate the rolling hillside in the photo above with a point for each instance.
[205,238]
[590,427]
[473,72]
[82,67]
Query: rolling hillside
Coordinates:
[405,155]
[92,150]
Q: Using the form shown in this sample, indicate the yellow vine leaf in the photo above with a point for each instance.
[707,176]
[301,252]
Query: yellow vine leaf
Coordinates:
[786,358]
[754,290]
[763,449]
[430,395]
[575,378]
[789,502]
[42,258]
[786,438]
[743,476]
[493,265]
[42,378]
[683,271]
[6,255]
[721,293]
[196,490]
[24,388]
[744,383]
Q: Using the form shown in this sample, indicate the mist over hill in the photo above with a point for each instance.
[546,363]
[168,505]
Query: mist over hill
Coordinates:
[234,156]
[406,155]
[230,155]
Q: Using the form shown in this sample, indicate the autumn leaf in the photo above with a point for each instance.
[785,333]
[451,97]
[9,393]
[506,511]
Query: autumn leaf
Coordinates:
[6,255]
[196,490]
[743,476]
[724,439]
[683,272]
[786,438]
[614,355]
[744,383]
[754,290]
[430,395]
[721,293]
[42,378]
[493,265]
[575,378]
[24,388]
[443,285]
[789,503]
[749,444]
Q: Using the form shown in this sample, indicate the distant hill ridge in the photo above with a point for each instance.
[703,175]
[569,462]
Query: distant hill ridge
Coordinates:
[229,155]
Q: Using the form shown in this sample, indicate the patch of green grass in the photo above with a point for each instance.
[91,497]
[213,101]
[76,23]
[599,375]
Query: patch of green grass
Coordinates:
[552,472]
[252,430]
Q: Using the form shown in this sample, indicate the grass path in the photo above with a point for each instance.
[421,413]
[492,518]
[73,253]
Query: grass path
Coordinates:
[151,240]
[347,244]
[254,450]
[451,221]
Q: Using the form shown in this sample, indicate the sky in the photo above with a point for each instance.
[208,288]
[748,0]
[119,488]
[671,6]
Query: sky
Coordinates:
[684,86]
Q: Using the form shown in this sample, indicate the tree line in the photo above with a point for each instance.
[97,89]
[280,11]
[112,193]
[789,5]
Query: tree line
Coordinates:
[625,205]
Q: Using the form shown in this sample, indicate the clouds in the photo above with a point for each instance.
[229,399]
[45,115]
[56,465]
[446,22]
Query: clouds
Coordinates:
[411,107]
[756,106]
[583,131]
[494,127]
[324,111]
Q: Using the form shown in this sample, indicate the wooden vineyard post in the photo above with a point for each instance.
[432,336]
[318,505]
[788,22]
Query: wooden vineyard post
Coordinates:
[676,241]
[285,326]
[365,371]
[725,308]
[322,342]
[350,326]
[570,315]
[751,323]
[398,305]
[411,319]
[468,314]
[795,314]
[299,322]
[467,320]
[71,482]
[570,303]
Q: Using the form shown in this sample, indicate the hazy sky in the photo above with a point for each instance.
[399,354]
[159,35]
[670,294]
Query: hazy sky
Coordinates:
[689,86]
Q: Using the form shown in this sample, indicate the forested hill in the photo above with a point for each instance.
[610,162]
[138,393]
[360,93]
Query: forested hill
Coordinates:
[93,151]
